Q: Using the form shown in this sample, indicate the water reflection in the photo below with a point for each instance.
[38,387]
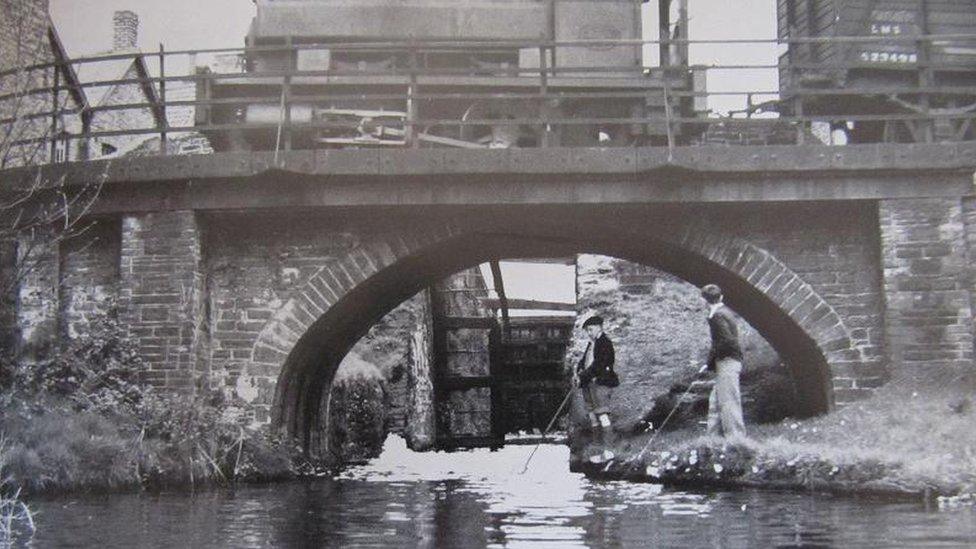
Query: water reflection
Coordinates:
[478,499]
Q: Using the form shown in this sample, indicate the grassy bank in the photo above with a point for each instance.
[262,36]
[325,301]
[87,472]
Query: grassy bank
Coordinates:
[80,418]
[52,446]
[899,442]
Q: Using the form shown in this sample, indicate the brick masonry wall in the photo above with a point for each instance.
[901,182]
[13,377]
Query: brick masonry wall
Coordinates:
[37,296]
[23,30]
[161,294]
[834,248]
[254,266]
[89,272]
[928,289]
[222,299]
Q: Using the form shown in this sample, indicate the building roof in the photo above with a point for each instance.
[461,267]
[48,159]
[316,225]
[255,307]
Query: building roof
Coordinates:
[116,69]
[76,91]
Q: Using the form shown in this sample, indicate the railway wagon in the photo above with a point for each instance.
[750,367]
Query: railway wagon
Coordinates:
[915,59]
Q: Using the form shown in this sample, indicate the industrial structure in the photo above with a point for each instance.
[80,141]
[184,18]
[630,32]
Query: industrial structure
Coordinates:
[885,70]
[471,74]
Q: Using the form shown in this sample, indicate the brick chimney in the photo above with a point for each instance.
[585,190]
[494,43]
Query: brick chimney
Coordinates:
[126,30]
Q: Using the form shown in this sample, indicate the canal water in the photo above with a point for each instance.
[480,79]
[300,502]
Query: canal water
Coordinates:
[478,499]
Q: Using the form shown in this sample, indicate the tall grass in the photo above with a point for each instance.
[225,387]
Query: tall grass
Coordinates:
[16,518]
[177,441]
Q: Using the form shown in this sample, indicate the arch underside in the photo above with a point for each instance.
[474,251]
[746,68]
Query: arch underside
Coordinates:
[803,329]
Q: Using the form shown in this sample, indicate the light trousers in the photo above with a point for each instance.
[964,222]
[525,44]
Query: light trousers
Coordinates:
[725,401]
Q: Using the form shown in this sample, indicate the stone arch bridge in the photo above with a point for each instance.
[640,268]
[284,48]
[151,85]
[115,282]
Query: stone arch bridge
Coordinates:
[260,272]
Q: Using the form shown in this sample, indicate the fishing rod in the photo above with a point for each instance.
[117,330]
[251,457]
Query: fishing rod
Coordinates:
[665,422]
[551,422]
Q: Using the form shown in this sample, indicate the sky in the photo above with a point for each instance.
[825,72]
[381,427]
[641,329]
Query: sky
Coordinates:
[85,27]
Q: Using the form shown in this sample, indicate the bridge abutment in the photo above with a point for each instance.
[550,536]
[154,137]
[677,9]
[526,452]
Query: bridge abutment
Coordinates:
[161,295]
[927,288]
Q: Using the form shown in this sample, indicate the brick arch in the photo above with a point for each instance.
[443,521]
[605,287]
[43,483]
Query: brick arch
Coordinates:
[308,336]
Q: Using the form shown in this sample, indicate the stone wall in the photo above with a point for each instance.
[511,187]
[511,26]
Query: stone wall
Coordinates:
[36,295]
[23,32]
[253,266]
[24,40]
[224,299]
[387,346]
[420,419]
[89,273]
[928,289]
[658,326]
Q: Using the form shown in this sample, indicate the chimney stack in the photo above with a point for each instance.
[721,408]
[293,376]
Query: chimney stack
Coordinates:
[126,30]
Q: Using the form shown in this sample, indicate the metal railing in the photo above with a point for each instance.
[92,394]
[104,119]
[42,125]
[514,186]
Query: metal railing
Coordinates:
[279,97]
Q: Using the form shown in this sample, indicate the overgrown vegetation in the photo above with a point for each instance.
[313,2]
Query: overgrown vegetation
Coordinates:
[900,441]
[16,518]
[80,420]
[357,412]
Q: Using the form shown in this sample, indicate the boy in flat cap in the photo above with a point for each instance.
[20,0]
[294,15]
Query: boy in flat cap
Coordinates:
[597,380]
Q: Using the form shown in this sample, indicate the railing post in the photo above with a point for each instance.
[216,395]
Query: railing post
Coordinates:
[684,48]
[544,97]
[164,121]
[794,80]
[925,79]
[54,112]
[410,131]
[283,135]
[84,147]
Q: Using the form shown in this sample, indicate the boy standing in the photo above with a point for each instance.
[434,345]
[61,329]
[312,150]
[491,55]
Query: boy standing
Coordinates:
[597,380]
[725,358]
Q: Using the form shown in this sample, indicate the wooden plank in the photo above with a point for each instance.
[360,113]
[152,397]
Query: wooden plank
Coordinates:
[502,301]
[468,322]
[451,383]
[529,304]
[544,260]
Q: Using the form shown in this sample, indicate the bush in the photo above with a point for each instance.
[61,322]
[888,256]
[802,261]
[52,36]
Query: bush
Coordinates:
[357,412]
[98,370]
[81,420]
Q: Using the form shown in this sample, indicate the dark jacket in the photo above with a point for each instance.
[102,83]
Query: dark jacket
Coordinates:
[602,368]
[725,337]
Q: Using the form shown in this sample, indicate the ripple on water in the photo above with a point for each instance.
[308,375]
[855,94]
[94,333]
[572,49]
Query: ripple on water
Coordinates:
[478,499]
